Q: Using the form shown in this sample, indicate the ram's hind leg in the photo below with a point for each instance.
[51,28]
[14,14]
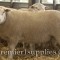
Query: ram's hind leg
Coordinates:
[58,41]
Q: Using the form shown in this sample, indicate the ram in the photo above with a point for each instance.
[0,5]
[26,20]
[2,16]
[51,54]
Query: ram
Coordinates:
[29,27]
[37,7]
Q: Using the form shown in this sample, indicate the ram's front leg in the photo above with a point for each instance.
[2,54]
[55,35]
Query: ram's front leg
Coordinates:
[11,45]
[23,45]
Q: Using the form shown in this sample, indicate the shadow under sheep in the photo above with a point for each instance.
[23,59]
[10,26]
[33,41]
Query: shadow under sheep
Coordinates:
[51,45]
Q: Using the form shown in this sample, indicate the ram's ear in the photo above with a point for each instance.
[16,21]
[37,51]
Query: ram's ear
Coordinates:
[7,10]
[47,8]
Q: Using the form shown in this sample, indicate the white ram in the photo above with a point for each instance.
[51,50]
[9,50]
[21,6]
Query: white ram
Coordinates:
[37,7]
[29,27]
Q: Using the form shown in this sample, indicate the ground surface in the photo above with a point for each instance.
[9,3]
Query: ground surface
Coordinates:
[27,57]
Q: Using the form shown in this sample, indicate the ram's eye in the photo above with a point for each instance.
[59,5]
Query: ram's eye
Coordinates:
[32,7]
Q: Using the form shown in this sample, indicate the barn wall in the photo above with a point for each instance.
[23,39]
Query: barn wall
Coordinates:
[15,5]
[58,6]
[26,5]
[7,4]
[37,1]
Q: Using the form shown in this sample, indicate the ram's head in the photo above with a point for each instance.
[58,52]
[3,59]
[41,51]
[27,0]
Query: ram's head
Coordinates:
[37,6]
[3,12]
